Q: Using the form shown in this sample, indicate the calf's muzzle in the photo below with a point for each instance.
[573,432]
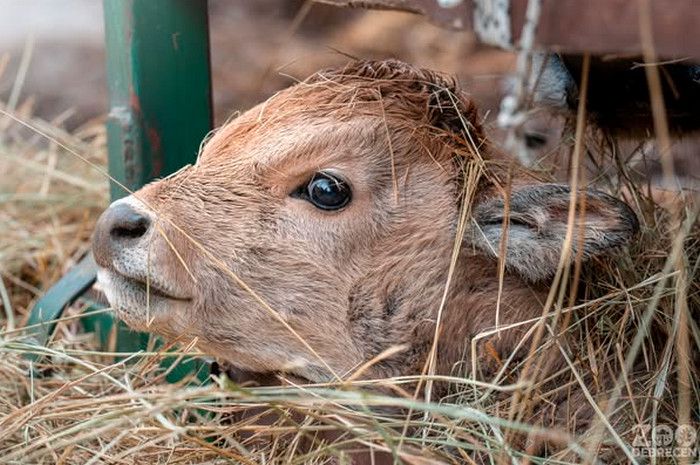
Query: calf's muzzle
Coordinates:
[119,228]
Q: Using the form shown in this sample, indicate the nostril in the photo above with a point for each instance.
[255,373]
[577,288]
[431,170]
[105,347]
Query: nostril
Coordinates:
[130,230]
[128,223]
[120,227]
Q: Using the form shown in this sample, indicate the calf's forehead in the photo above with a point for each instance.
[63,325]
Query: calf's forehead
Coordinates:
[300,144]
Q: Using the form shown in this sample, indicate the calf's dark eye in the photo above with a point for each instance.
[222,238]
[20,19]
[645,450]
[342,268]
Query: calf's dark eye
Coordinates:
[325,191]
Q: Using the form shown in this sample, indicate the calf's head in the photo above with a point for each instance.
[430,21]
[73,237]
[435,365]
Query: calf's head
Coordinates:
[317,230]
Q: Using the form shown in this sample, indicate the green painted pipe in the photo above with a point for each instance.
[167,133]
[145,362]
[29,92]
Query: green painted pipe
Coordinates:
[159,80]
[159,85]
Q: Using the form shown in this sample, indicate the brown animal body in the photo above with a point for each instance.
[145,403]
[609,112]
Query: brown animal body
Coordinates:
[317,230]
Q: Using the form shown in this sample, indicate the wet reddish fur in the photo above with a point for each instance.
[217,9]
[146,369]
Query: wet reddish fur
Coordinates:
[353,283]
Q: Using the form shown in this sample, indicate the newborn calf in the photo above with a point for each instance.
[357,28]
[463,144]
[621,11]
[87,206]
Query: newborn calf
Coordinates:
[319,230]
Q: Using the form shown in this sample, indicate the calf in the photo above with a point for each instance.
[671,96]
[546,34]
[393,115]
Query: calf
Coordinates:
[336,221]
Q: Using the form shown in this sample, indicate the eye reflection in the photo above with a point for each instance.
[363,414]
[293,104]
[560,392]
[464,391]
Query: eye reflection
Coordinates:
[325,191]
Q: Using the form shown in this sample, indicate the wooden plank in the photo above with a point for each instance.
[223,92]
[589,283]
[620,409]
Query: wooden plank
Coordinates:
[457,17]
[574,26]
[612,26]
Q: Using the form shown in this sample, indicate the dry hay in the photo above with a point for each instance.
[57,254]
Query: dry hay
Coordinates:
[97,406]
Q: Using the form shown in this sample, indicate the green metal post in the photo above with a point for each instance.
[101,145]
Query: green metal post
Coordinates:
[160,96]
[160,111]
[159,86]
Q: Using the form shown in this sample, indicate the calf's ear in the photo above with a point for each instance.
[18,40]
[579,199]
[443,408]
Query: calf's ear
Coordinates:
[537,225]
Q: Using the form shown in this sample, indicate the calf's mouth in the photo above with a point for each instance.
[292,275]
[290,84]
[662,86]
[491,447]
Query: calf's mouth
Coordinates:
[147,287]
